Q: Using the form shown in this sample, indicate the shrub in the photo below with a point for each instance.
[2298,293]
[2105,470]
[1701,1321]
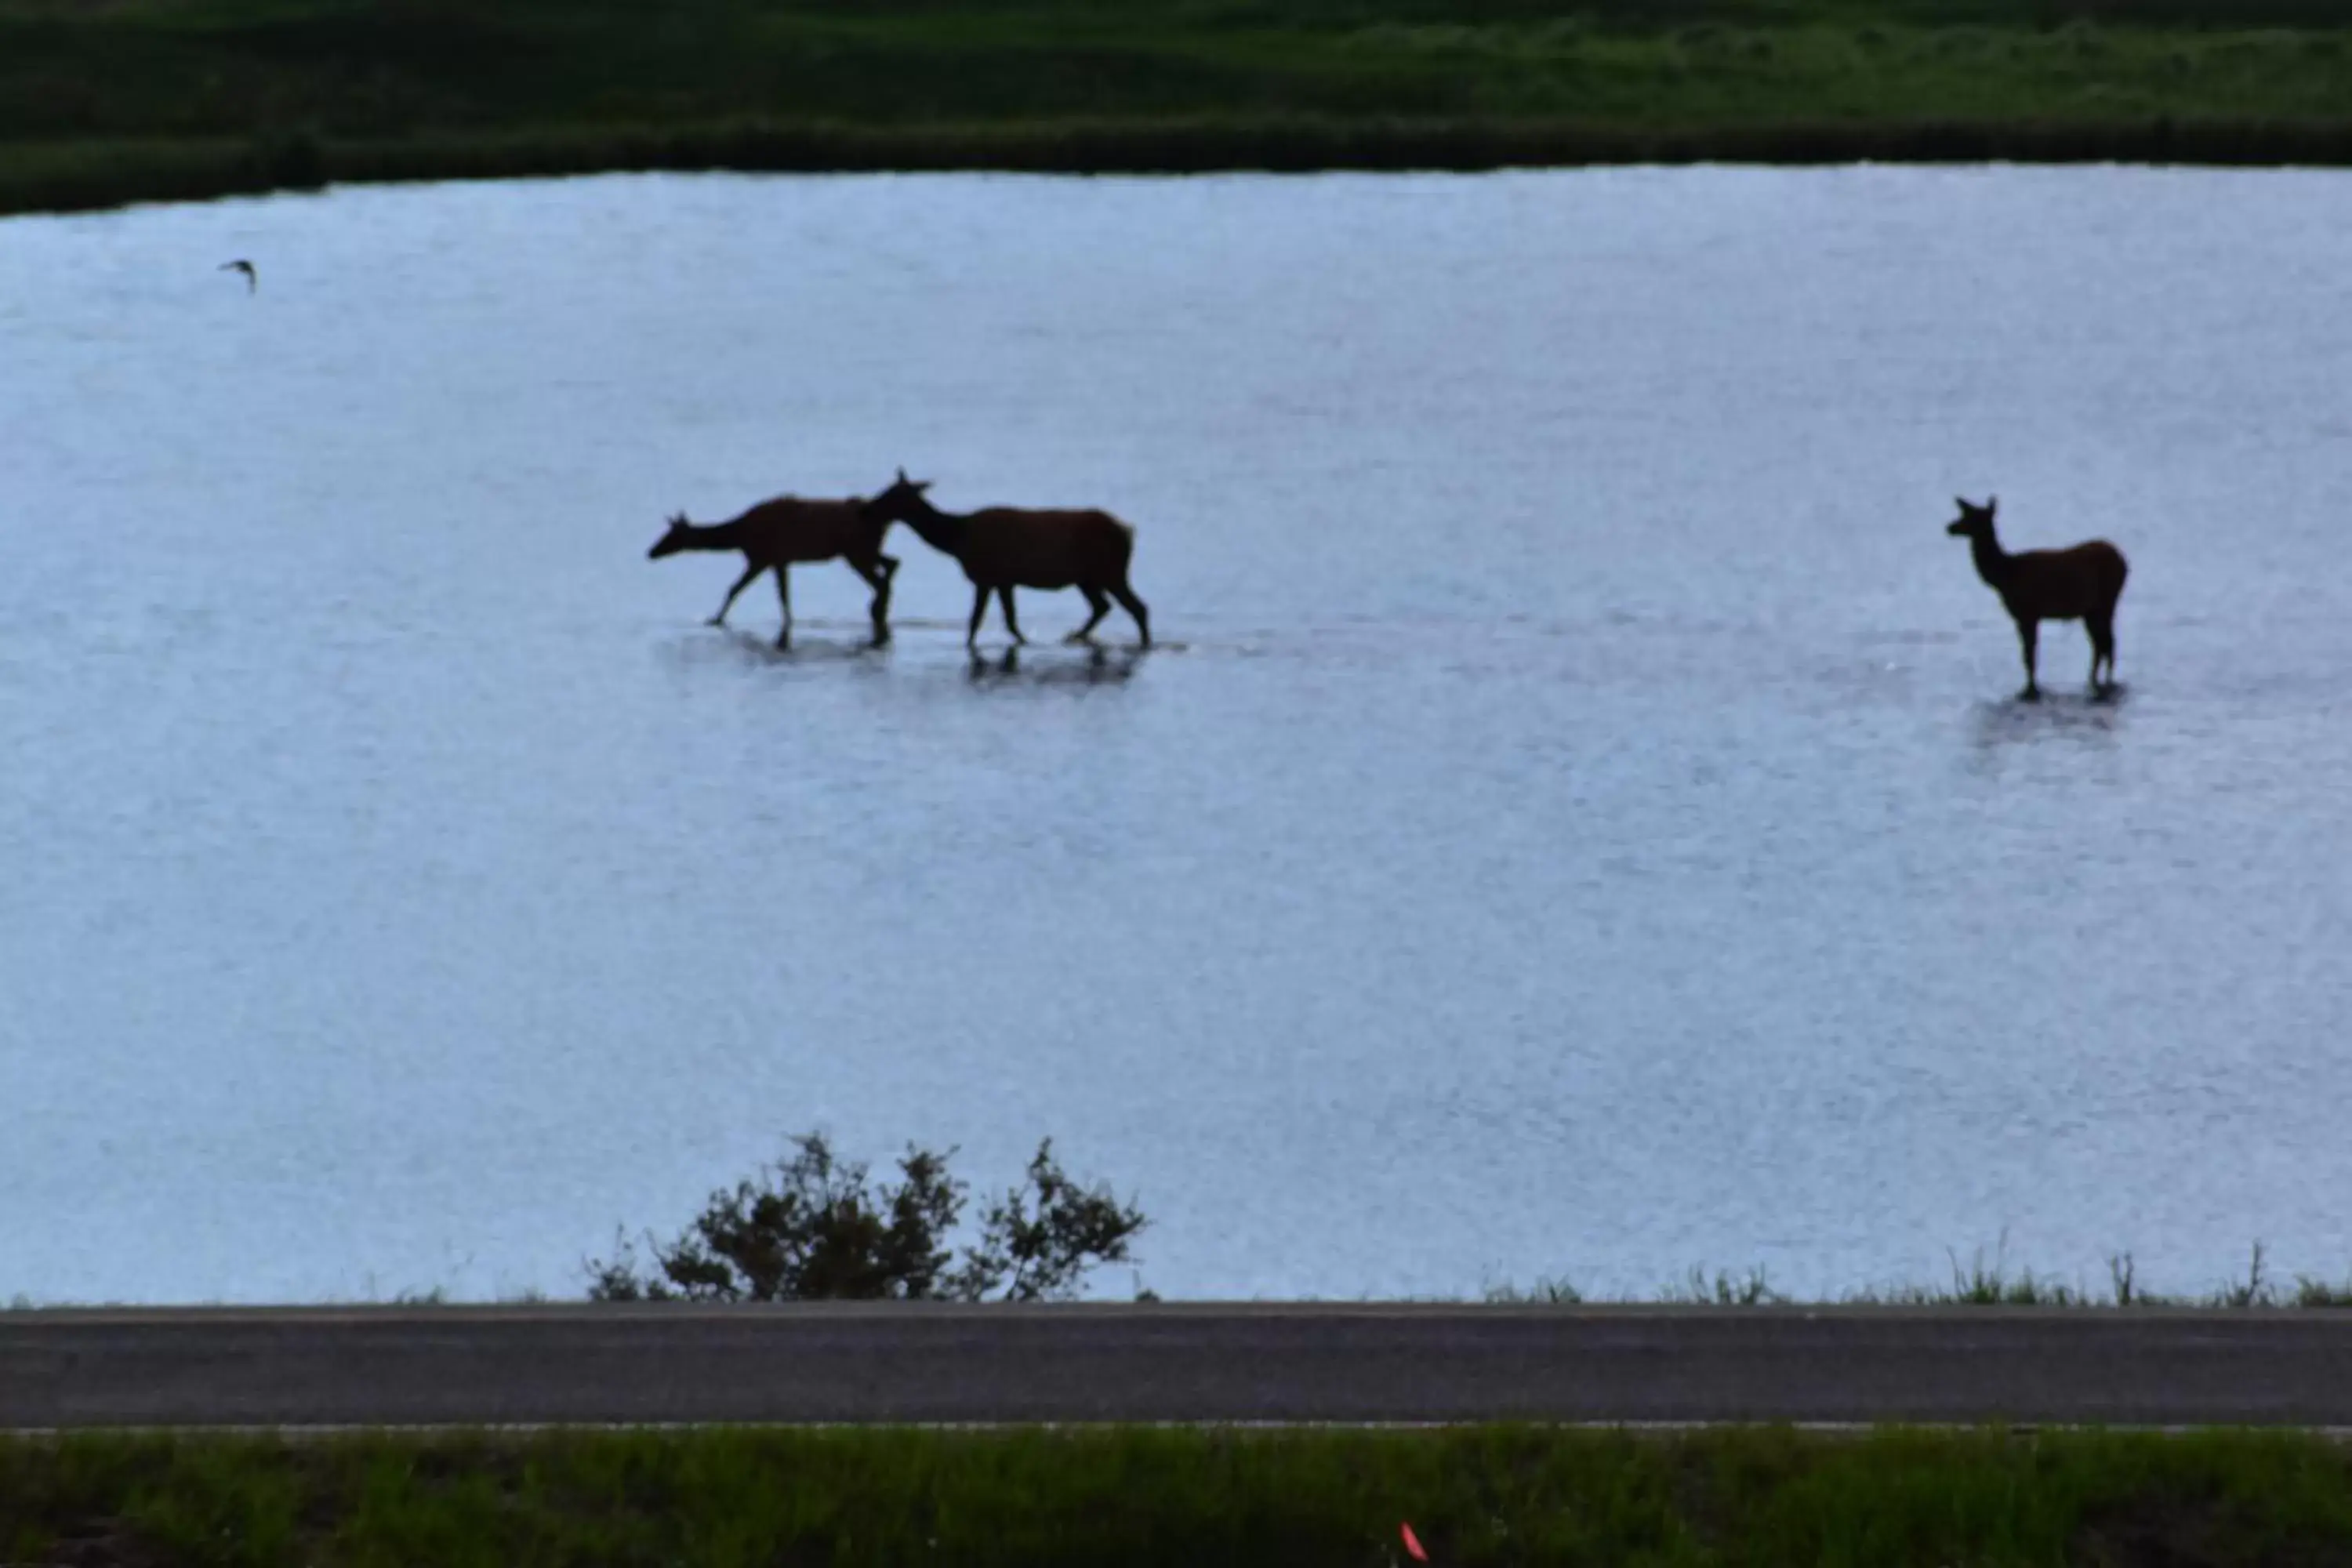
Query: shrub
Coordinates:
[813,1228]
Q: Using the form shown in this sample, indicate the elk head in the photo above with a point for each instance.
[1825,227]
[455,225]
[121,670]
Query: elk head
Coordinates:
[670,543]
[901,502]
[1974,521]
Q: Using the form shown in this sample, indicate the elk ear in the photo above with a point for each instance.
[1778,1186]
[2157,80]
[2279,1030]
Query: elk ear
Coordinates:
[903,479]
[1962,502]
[1991,504]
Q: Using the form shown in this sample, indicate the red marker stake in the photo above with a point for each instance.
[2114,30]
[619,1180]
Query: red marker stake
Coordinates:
[1413,1543]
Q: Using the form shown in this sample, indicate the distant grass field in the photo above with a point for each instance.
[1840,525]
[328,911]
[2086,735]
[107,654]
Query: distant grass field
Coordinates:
[103,101]
[1142,1497]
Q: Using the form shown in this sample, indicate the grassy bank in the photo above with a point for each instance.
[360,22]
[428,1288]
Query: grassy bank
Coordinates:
[1754,1497]
[1977,1282]
[129,99]
[1980,1282]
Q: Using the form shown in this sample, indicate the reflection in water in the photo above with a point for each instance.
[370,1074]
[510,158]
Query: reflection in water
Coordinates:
[751,646]
[2016,720]
[1098,667]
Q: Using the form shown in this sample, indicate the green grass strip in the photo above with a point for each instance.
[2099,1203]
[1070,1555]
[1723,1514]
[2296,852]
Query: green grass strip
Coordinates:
[72,177]
[1754,1497]
[103,101]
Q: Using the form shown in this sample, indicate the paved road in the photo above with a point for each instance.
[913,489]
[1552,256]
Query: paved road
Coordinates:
[1174,1363]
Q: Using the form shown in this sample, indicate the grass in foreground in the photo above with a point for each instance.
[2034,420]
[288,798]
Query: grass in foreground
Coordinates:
[1755,1497]
[101,102]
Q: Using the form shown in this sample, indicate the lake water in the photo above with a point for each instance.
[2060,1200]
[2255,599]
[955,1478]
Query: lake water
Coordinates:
[1581,826]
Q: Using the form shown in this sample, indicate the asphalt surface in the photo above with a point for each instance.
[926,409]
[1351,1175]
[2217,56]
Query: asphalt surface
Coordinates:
[844,1362]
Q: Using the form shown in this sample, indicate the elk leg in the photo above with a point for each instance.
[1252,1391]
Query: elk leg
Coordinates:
[1098,601]
[2103,651]
[2028,635]
[1125,596]
[1011,622]
[877,574]
[979,612]
[740,583]
[784,597]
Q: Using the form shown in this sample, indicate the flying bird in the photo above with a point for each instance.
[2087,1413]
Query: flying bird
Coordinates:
[252,279]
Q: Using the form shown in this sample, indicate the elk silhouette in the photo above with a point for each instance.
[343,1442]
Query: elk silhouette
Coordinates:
[780,534]
[1004,548]
[2080,583]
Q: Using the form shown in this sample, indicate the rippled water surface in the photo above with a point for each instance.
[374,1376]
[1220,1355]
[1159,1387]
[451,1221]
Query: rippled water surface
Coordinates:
[1579,826]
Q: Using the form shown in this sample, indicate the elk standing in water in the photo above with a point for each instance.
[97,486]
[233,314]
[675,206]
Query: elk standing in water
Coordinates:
[2078,584]
[1004,548]
[777,534]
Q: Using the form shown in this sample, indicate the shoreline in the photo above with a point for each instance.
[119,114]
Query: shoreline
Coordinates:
[45,177]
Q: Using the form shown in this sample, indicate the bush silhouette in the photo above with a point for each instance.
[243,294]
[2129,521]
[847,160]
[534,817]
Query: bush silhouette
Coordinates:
[812,1228]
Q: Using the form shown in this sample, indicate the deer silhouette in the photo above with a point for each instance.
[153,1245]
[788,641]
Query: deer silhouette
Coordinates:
[2080,583]
[777,534]
[1004,548]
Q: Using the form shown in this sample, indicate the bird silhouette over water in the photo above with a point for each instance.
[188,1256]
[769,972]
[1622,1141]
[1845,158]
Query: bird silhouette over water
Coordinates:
[252,279]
